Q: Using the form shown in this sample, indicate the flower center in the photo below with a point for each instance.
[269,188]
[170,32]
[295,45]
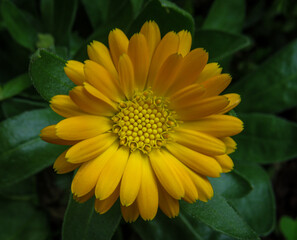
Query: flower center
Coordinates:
[144,122]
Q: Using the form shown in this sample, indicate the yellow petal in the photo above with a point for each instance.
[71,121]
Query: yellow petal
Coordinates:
[126,75]
[102,206]
[166,174]
[209,71]
[87,175]
[167,74]
[49,135]
[200,163]
[75,72]
[234,99]
[200,142]
[216,125]
[147,199]
[204,188]
[185,42]
[64,106]
[226,162]
[101,79]
[152,34]
[130,213]
[139,54]
[168,205]
[62,166]
[131,179]
[112,173]
[187,95]
[90,148]
[85,197]
[167,46]
[82,127]
[230,144]
[191,194]
[99,53]
[215,85]
[118,44]
[190,69]
[201,108]
[88,103]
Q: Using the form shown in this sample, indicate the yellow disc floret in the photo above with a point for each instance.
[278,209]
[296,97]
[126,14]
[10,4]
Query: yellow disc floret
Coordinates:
[144,122]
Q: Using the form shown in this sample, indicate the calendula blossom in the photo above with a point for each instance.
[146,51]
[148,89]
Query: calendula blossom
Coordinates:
[145,123]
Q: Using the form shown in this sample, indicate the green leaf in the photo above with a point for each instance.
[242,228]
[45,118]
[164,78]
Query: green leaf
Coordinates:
[219,44]
[15,86]
[22,152]
[162,227]
[64,15]
[47,74]
[231,185]
[81,222]
[18,25]
[272,88]
[24,190]
[15,106]
[47,14]
[265,139]
[227,16]
[219,215]
[288,226]
[166,14]
[258,207]
[20,220]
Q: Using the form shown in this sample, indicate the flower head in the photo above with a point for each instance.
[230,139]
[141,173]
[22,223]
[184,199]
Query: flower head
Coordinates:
[145,122]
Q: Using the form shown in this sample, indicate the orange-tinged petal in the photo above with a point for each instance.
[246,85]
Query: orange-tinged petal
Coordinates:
[101,79]
[112,173]
[82,127]
[99,53]
[185,42]
[139,54]
[201,108]
[130,213]
[198,162]
[87,175]
[204,188]
[215,85]
[166,174]
[102,206]
[187,95]
[62,166]
[152,34]
[191,194]
[230,144]
[118,44]
[192,66]
[167,74]
[85,197]
[168,205]
[49,135]
[131,179]
[75,71]
[216,125]
[234,99]
[126,75]
[199,142]
[167,46]
[90,148]
[209,71]
[64,106]
[226,162]
[147,199]
[88,103]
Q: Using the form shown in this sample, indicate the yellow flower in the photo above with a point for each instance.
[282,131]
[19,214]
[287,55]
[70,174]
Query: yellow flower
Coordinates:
[145,123]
